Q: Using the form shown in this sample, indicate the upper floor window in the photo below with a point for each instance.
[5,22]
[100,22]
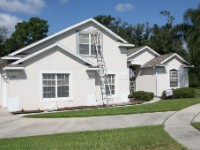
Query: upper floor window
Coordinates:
[173,77]
[86,44]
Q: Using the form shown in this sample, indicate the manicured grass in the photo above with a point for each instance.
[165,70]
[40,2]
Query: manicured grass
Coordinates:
[161,106]
[196,125]
[138,138]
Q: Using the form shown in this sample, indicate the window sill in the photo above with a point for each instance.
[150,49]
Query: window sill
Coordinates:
[57,99]
[93,56]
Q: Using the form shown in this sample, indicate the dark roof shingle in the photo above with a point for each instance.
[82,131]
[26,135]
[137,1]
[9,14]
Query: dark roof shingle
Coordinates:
[134,50]
[157,61]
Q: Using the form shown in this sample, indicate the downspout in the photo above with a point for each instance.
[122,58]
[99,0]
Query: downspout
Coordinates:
[5,89]
[1,91]
[156,81]
[136,77]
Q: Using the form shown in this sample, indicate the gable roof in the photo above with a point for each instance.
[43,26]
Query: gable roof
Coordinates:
[135,51]
[160,60]
[68,29]
[50,47]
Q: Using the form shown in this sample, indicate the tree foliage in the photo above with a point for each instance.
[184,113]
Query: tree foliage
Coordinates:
[138,34]
[190,31]
[27,33]
[165,39]
[3,37]
[162,39]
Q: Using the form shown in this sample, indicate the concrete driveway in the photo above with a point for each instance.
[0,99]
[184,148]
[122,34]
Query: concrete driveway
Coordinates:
[180,128]
[177,124]
[16,126]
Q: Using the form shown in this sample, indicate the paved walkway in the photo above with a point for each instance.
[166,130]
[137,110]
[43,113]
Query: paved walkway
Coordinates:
[15,126]
[180,128]
[177,124]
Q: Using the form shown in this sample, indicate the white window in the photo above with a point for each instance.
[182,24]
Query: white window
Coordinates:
[111,84]
[55,85]
[86,44]
[173,77]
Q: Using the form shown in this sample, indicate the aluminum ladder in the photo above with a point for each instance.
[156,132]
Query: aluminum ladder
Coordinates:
[106,96]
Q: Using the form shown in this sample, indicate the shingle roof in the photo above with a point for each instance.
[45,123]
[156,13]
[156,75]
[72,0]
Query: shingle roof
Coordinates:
[157,61]
[134,50]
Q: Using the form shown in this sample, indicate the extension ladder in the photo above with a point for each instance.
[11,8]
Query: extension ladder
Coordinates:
[106,94]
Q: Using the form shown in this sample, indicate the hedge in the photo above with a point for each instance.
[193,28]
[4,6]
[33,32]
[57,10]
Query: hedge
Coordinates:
[142,95]
[185,92]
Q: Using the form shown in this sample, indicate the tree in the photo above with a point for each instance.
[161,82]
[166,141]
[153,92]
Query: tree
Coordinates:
[137,35]
[190,31]
[27,33]
[165,39]
[141,34]
[3,37]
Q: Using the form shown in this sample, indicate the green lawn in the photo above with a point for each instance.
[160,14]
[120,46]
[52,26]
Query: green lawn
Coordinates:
[138,138]
[161,106]
[196,125]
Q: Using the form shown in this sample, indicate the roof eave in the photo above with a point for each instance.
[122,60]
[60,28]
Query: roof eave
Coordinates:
[13,68]
[142,50]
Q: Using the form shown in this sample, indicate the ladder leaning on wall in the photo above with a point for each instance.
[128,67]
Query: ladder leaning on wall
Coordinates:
[106,94]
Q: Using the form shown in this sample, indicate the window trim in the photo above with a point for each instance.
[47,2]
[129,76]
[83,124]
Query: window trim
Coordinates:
[112,75]
[174,69]
[56,98]
[111,72]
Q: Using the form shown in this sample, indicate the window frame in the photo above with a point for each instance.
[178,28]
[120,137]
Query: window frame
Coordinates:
[112,76]
[70,97]
[176,78]
[90,44]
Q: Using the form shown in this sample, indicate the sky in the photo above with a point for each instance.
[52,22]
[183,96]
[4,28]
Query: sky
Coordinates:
[64,13]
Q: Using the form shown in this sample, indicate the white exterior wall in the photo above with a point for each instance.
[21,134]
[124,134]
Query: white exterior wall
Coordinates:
[145,80]
[143,56]
[28,86]
[25,89]
[163,75]
[115,60]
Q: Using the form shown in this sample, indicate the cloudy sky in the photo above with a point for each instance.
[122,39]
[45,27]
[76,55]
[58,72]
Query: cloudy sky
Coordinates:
[63,13]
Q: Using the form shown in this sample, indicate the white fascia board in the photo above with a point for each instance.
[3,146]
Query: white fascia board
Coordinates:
[11,58]
[125,45]
[65,30]
[174,56]
[13,68]
[156,66]
[142,50]
[49,47]
[188,66]
[92,69]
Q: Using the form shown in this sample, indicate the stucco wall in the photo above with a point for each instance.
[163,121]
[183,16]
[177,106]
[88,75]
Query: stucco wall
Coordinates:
[145,80]
[26,87]
[163,75]
[143,57]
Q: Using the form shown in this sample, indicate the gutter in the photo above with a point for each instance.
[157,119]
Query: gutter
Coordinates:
[156,81]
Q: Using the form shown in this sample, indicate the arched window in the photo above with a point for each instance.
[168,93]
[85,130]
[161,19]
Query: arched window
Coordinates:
[173,77]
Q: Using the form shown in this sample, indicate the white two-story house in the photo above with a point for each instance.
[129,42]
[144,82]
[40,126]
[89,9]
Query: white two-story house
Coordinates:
[61,70]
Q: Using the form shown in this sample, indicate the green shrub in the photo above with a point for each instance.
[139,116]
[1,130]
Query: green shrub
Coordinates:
[141,95]
[185,92]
